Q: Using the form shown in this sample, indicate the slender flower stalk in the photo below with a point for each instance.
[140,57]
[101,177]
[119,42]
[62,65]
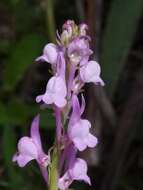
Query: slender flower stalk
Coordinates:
[72,68]
[58,125]
[53,181]
[70,79]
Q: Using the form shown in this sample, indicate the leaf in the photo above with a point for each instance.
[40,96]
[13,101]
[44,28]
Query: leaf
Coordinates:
[47,119]
[14,113]
[4,46]
[23,54]
[17,113]
[8,151]
[118,38]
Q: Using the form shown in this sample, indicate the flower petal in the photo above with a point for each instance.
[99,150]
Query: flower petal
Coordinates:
[42,58]
[64,182]
[60,101]
[26,147]
[75,116]
[61,65]
[50,52]
[55,92]
[91,73]
[82,105]
[79,171]
[98,80]
[86,179]
[44,173]
[91,141]
[35,132]
[79,144]
[57,85]
[22,160]
[79,130]
[39,98]
[47,98]
[79,168]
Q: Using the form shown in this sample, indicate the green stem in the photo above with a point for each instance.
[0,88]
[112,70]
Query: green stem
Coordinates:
[53,183]
[50,21]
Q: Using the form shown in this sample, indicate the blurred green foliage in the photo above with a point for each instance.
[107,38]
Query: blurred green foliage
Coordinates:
[118,37]
[22,56]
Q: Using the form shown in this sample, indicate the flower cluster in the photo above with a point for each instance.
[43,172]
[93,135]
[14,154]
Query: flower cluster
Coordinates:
[71,68]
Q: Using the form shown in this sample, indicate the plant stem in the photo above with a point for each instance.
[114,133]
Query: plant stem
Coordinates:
[50,21]
[54,170]
[58,126]
[53,183]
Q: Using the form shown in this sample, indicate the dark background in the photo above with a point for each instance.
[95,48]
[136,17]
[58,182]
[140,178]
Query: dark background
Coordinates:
[116,111]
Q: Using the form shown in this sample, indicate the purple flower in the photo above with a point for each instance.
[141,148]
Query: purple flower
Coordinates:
[83,28]
[78,50]
[69,25]
[78,130]
[81,136]
[78,171]
[56,92]
[90,72]
[30,148]
[50,54]
[67,32]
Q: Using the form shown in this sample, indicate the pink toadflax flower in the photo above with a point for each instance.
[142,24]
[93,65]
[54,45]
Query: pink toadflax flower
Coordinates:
[90,72]
[78,171]
[50,54]
[80,135]
[79,51]
[30,148]
[78,130]
[55,92]
[83,29]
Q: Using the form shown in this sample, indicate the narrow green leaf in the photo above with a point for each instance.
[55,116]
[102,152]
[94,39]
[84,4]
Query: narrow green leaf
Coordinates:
[17,113]
[23,54]
[14,113]
[8,151]
[118,37]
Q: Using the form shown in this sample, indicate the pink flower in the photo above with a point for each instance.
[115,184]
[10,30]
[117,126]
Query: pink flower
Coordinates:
[83,29]
[79,51]
[90,72]
[30,148]
[69,25]
[77,172]
[50,54]
[56,92]
[80,135]
[67,31]
[78,130]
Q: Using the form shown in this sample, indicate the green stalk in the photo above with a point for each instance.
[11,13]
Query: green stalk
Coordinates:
[53,183]
[50,21]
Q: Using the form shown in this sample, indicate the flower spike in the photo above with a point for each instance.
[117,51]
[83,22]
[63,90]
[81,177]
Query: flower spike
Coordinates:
[71,68]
